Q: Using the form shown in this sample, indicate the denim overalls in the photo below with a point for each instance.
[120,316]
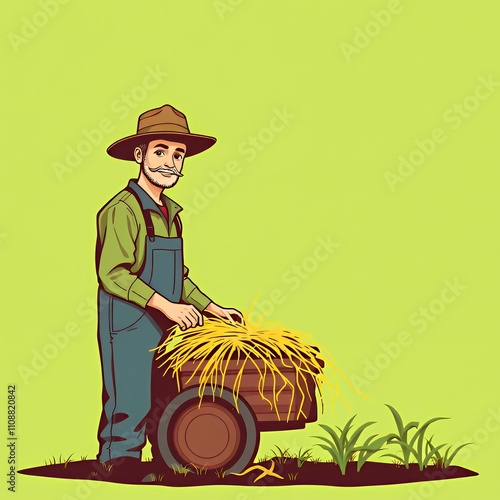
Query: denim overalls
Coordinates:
[127,332]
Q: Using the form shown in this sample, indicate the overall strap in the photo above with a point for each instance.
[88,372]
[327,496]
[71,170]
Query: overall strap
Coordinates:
[147,215]
[147,218]
[178,225]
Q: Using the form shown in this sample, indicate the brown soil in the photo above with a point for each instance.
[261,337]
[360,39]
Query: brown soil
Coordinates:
[327,474]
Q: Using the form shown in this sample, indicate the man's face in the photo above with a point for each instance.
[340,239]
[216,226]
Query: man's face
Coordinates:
[159,161]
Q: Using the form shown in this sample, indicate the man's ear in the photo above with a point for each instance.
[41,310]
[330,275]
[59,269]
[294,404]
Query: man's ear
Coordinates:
[138,155]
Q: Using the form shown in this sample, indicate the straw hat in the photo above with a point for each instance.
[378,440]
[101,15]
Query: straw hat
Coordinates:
[164,122]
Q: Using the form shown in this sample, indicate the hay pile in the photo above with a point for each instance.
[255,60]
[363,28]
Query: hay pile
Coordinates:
[218,341]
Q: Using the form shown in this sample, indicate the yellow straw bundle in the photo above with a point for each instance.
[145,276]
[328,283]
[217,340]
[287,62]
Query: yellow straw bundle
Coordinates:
[218,341]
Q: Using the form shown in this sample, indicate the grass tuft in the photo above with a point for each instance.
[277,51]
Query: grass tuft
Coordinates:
[443,461]
[54,461]
[180,469]
[342,447]
[417,447]
[67,461]
[221,473]
[107,467]
[200,471]
[282,455]
[303,456]
[155,478]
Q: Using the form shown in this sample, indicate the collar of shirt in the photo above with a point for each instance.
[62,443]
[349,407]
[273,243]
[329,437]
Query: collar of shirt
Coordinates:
[172,208]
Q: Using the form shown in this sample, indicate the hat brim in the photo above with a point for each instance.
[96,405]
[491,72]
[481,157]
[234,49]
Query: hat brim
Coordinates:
[123,149]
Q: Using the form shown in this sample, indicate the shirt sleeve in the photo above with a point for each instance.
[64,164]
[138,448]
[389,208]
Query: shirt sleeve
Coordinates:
[192,295]
[117,233]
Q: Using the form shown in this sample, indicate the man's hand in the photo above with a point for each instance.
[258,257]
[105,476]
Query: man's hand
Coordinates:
[224,313]
[184,315]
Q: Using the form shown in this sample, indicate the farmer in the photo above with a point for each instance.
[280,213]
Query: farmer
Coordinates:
[144,287]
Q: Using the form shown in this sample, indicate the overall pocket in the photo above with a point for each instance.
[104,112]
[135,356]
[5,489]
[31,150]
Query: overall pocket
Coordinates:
[124,314]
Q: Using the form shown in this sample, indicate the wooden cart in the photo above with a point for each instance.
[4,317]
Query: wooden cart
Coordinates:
[216,435]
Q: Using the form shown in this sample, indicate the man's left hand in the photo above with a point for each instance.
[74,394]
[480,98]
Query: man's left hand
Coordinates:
[230,314]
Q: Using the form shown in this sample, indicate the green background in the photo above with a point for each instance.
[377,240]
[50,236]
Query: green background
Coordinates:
[231,66]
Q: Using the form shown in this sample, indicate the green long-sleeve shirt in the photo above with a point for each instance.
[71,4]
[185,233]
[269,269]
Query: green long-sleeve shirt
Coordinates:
[121,246]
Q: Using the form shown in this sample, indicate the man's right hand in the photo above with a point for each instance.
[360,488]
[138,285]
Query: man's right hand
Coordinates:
[186,316]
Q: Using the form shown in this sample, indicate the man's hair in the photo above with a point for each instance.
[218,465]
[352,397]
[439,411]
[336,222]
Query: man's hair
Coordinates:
[143,148]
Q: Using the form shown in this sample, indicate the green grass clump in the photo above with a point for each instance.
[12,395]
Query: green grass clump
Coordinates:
[342,447]
[443,461]
[418,447]
[415,447]
[180,469]
[282,455]
[303,456]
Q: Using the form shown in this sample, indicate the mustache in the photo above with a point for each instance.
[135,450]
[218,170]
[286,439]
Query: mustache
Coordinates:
[172,169]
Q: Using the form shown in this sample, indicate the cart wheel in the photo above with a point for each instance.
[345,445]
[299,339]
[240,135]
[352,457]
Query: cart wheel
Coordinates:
[211,436]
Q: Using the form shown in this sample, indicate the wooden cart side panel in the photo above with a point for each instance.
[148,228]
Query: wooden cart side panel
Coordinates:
[249,390]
